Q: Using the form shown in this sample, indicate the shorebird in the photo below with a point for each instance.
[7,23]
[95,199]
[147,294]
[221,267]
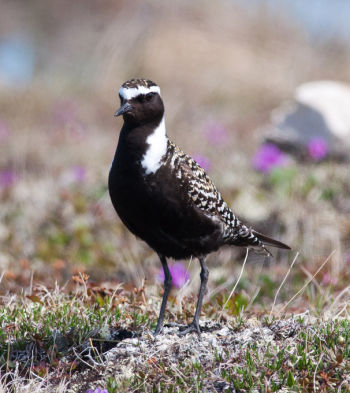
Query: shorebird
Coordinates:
[165,198]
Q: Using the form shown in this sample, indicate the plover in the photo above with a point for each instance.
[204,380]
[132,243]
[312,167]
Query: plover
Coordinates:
[165,198]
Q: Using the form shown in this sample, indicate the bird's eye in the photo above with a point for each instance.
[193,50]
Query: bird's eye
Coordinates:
[149,96]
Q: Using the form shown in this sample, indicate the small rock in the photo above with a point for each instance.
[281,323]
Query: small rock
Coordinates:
[223,332]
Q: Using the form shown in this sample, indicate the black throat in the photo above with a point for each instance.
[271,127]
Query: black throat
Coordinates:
[140,121]
[132,144]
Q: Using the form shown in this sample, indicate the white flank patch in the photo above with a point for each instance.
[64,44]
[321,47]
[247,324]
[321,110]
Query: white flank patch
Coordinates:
[128,94]
[158,143]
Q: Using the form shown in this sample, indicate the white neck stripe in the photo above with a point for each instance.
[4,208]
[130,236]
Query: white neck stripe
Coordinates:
[129,93]
[158,143]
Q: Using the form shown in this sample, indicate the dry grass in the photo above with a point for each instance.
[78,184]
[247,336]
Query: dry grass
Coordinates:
[223,66]
[92,336]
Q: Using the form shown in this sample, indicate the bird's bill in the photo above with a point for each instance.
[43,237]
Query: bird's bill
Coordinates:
[126,107]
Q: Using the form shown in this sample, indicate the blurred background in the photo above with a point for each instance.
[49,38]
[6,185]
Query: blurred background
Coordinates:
[235,77]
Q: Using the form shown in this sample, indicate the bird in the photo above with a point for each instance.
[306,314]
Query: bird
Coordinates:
[165,198]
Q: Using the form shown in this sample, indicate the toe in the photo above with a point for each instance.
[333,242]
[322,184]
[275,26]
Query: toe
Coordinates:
[192,328]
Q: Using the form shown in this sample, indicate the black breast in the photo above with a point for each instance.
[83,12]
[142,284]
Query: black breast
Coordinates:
[157,209]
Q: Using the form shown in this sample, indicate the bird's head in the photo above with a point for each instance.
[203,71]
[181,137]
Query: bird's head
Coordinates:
[140,102]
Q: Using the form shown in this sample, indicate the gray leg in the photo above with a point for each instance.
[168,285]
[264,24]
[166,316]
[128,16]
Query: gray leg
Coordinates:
[194,326]
[167,286]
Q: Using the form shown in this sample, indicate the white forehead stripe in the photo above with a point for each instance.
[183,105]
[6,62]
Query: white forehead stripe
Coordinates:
[129,93]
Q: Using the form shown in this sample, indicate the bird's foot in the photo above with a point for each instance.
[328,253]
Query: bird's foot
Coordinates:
[175,324]
[192,327]
[159,329]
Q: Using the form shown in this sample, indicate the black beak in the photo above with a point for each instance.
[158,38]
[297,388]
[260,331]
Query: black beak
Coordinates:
[126,107]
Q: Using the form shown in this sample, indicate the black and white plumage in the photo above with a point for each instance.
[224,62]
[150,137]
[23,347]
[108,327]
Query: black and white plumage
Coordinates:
[164,197]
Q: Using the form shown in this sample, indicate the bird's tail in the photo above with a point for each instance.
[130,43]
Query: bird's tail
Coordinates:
[268,241]
[248,237]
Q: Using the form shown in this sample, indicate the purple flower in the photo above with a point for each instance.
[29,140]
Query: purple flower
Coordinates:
[79,173]
[97,390]
[317,148]
[327,279]
[216,133]
[179,274]
[268,157]
[7,178]
[348,259]
[203,161]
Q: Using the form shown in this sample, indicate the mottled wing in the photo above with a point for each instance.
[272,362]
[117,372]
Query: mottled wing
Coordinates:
[200,188]
[204,195]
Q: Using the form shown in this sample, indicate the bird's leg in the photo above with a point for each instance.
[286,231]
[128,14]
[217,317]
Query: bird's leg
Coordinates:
[194,325]
[167,286]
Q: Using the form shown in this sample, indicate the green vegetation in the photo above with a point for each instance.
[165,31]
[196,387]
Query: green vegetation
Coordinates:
[60,335]
[222,70]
